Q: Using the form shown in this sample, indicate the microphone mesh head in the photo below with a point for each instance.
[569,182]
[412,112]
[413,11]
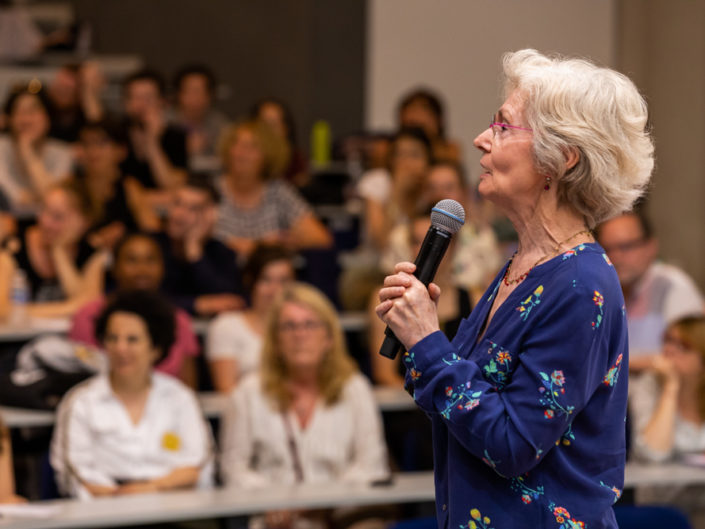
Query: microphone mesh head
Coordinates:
[448,215]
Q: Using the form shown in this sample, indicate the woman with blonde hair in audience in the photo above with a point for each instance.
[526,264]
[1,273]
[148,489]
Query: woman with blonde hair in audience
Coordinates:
[234,340]
[7,474]
[309,416]
[62,269]
[132,429]
[257,205]
[30,161]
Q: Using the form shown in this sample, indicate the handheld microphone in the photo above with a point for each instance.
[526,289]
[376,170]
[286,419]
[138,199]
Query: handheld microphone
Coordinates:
[447,217]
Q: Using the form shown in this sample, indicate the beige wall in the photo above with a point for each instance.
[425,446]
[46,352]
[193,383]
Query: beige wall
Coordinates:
[455,47]
[662,46]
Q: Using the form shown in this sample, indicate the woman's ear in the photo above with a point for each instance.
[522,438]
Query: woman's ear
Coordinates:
[572,157]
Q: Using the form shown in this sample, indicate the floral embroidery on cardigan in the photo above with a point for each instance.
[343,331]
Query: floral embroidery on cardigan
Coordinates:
[411,365]
[527,493]
[529,303]
[563,518]
[612,375]
[573,251]
[551,391]
[477,521]
[617,492]
[599,300]
[456,397]
[497,369]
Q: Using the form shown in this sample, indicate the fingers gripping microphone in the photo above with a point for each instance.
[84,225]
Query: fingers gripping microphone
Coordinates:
[447,217]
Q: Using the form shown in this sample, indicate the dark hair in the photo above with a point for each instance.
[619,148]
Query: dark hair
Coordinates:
[417,134]
[430,100]
[152,308]
[146,74]
[111,127]
[27,90]
[195,69]
[120,245]
[202,182]
[286,115]
[261,256]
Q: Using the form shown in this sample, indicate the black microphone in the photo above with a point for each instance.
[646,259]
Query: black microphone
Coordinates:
[447,217]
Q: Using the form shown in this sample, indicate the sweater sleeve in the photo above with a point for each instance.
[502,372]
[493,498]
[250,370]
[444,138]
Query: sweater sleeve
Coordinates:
[511,417]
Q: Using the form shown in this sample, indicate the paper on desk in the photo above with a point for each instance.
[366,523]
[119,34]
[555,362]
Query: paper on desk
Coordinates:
[28,510]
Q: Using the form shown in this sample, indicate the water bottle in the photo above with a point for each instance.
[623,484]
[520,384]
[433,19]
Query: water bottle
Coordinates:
[20,297]
[320,144]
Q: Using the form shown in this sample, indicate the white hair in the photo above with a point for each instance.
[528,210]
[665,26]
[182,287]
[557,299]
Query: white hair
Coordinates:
[573,105]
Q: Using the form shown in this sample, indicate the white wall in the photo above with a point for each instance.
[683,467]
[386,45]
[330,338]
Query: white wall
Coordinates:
[454,46]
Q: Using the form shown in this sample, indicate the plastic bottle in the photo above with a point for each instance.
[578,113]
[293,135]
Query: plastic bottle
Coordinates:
[20,297]
[320,143]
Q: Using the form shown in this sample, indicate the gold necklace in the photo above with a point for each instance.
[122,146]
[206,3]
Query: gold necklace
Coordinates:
[510,282]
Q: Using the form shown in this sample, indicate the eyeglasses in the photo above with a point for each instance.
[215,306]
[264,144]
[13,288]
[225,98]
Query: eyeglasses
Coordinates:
[677,343]
[625,247]
[498,126]
[290,327]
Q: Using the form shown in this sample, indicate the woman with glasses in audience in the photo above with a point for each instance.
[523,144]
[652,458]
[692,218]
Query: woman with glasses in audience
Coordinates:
[257,205]
[308,416]
[132,429]
[234,340]
[527,402]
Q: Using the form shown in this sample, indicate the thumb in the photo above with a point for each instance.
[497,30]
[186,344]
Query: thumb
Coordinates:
[434,291]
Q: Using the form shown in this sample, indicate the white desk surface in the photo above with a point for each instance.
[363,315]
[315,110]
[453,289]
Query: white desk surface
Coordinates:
[215,503]
[213,405]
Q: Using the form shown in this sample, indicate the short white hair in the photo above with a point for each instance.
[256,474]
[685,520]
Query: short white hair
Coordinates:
[571,104]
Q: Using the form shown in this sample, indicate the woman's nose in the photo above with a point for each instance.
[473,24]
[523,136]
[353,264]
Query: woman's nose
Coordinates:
[483,141]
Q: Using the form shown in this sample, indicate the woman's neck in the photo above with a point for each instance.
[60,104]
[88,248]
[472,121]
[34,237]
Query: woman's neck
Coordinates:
[245,189]
[132,387]
[543,231]
[303,380]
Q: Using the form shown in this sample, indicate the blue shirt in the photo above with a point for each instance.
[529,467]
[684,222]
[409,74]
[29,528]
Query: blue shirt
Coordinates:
[529,421]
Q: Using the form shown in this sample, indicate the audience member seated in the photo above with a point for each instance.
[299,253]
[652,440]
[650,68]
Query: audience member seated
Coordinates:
[422,108]
[477,258]
[139,266]
[234,340]
[309,416]
[194,113]
[7,474]
[201,273]
[74,98]
[30,162]
[256,204]
[157,151]
[668,410]
[656,294]
[131,430]
[63,271]
[451,309]
[118,202]
[393,195]
[277,115]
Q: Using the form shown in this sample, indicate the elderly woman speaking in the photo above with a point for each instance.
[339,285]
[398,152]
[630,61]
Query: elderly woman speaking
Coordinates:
[527,401]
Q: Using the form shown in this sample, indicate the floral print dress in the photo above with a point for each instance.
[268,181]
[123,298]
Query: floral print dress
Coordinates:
[529,420]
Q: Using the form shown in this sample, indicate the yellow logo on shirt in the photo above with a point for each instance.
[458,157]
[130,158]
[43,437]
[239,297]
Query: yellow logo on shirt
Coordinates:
[171,441]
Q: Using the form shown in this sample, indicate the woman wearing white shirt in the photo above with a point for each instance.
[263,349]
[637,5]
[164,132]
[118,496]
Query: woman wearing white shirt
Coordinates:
[310,416]
[131,430]
[234,339]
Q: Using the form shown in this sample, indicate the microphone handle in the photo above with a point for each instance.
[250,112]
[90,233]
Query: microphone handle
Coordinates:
[433,248]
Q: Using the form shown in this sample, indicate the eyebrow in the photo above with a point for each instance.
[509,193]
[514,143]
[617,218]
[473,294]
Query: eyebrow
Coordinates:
[502,117]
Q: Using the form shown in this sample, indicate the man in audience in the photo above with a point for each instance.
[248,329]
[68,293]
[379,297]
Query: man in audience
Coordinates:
[655,293]
[201,272]
[157,153]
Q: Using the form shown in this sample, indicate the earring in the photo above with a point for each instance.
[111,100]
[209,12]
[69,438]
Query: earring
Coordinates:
[548,183]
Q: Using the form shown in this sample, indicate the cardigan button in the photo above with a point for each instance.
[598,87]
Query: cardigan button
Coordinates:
[444,507]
